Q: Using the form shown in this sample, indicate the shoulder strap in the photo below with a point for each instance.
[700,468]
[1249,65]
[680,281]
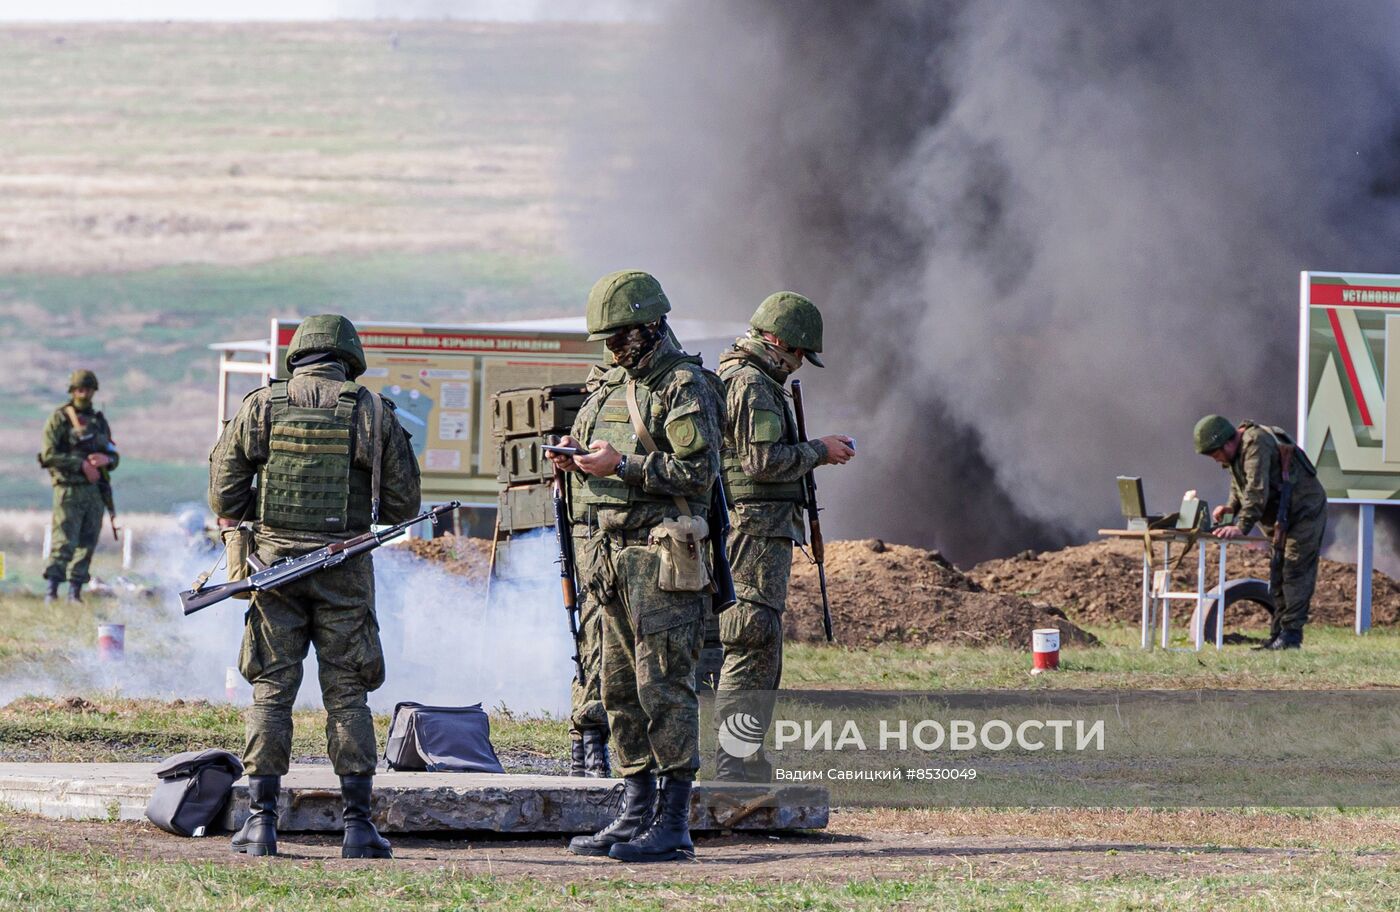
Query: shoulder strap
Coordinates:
[376,425]
[73,419]
[643,435]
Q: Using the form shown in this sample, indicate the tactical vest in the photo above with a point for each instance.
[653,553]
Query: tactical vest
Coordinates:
[739,485]
[308,483]
[1282,441]
[611,422]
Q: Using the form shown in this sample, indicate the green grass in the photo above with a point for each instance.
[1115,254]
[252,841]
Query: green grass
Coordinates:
[39,880]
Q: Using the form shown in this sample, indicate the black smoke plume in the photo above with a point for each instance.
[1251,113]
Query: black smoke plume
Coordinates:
[1047,236]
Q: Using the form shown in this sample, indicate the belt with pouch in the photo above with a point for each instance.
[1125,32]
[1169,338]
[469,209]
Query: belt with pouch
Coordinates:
[625,538]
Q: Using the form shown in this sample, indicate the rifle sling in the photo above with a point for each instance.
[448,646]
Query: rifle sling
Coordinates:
[634,411]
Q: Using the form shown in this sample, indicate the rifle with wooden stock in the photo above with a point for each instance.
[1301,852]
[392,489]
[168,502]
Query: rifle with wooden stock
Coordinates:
[814,523]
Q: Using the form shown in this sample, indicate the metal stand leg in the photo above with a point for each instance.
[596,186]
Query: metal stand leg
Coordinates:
[1365,541]
[1220,602]
[1200,631]
[1146,602]
[1166,603]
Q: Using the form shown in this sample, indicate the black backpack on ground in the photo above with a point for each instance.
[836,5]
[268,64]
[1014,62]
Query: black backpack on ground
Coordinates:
[194,787]
[446,739]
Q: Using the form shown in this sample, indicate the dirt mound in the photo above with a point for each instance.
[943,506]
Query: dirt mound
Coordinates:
[1101,582]
[882,593]
[469,557]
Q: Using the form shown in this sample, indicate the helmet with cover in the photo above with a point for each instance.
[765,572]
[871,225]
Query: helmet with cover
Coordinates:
[621,299]
[794,319]
[328,333]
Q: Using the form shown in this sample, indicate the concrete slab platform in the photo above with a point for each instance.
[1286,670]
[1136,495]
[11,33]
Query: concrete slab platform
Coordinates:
[411,802]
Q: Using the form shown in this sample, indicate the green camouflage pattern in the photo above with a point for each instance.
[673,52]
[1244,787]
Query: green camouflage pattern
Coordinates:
[760,441]
[1256,477]
[77,525]
[794,319]
[77,503]
[625,298]
[332,609]
[1212,432]
[651,646]
[651,639]
[327,332]
[82,379]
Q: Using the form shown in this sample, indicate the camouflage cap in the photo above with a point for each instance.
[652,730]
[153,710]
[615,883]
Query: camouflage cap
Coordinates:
[328,333]
[629,297]
[1213,432]
[82,379]
[794,319]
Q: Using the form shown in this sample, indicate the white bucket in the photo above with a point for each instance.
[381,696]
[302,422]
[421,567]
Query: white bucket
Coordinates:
[1045,648]
[111,642]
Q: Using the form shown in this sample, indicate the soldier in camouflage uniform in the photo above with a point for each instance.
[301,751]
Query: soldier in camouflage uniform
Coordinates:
[311,444]
[588,720]
[653,429]
[1255,454]
[764,464]
[79,453]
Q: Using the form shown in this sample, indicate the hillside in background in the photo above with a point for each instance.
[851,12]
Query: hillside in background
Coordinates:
[163,187]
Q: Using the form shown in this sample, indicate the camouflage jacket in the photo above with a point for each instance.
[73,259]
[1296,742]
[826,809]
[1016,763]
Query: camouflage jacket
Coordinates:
[64,451]
[1256,479]
[685,399]
[760,431]
[242,449]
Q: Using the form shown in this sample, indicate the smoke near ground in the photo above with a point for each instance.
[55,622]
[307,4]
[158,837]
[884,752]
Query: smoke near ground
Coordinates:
[444,642]
[1046,236]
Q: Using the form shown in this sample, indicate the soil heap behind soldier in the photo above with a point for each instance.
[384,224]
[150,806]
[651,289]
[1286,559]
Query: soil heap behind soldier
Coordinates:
[311,444]
[764,464]
[79,453]
[653,426]
[1267,473]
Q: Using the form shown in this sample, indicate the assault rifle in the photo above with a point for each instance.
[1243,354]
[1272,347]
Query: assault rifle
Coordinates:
[724,596]
[814,523]
[271,576]
[568,574]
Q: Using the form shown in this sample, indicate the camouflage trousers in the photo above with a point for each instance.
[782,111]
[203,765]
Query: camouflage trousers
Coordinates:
[77,525]
[752,630]
[334,610]
[1292,580]
[651,644]
[587,695]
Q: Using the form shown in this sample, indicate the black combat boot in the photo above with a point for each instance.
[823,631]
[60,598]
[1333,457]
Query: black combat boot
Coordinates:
[1289,639]
[729,768]
[52,594]
[576,767]
[595,753]
[259,833]
[362,840]
[668,837]
[638,806]
[75,592]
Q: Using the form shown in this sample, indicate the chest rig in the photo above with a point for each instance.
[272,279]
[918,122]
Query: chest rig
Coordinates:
[739,485]
[605,417]
[308,483]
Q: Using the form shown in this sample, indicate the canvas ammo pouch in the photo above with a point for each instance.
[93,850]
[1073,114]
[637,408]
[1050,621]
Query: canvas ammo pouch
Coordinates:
[440,739]
[238,544]
[194,788]
[680,544]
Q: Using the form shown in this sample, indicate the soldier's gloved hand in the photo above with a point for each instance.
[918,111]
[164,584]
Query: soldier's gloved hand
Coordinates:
[838,449]
[100,460]
[602,461]
[561,461]
[91,472]
[1218,514]
[1228,532]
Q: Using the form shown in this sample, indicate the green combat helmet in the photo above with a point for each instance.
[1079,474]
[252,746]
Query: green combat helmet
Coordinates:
[329,333]
[82,379]
[622,299]
[794,319]
[1213,432]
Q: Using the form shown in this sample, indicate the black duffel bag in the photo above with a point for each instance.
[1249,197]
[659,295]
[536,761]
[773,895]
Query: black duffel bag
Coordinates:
[194,787]
[441,739]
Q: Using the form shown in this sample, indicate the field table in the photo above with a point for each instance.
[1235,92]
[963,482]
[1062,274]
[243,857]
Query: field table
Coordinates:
[1156,594]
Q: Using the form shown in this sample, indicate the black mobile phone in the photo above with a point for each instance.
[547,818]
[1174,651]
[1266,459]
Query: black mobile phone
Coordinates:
[563,450]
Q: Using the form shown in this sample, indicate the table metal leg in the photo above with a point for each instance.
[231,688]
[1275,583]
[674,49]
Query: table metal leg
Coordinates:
[1166,603]
[1220,602]
[1200,630]
[1146,602]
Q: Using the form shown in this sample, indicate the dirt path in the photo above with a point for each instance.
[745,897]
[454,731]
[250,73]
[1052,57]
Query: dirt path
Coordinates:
[858,845]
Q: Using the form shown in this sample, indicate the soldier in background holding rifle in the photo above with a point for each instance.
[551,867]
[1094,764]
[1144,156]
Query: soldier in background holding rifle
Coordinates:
[1272,483]
[79,454]
[768,466]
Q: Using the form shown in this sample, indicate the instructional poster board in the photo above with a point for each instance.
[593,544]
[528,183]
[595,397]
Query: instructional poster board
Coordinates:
[441,378]
[1348,390]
